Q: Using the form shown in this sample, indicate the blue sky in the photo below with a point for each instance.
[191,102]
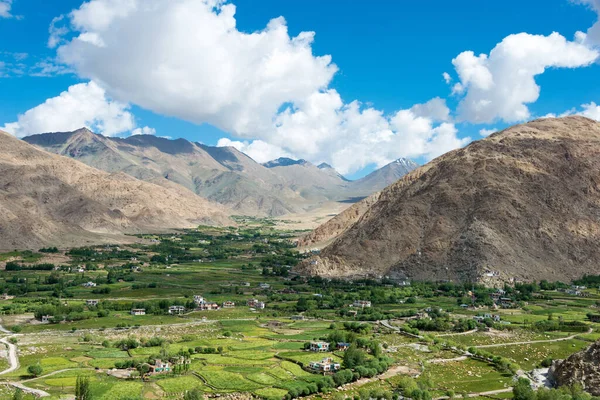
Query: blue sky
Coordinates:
[390,55]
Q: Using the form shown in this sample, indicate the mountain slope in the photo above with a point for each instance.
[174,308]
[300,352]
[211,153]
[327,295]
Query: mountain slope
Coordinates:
[524,202]
[384,176]
[48,199]
[220,174]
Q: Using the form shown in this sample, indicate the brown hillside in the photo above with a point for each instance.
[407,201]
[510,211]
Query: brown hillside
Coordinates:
[524,202]
[49,199]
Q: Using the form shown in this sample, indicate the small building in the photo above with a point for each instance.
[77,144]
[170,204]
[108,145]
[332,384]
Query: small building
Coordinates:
[254,303]
[207,306]
[297,317]
[46,319]
[342,346]
[464,305]
[319,346]
[89,284]
[361,304]
[176,310]
[91,303]
[494,317]
[138,311]
[228,304]
[479,318]
[264,286]
[198,299]
[325,365]
[160,367]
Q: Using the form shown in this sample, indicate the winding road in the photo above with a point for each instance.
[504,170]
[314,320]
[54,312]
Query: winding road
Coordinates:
[13,360]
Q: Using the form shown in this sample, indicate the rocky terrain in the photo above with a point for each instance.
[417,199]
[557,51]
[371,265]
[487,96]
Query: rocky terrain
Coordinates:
[582,368]
[46,199]
[523,203]
[220,174]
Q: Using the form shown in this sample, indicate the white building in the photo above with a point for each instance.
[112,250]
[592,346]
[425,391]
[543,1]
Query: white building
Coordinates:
[176,310]
[138,311]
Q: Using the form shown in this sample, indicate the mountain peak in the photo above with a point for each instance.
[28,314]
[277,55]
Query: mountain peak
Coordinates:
[284,162]
[324,166]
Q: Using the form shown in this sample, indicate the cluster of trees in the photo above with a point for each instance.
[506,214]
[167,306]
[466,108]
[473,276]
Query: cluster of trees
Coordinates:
[523,391]
[49,250]
[15,266]
[560,325]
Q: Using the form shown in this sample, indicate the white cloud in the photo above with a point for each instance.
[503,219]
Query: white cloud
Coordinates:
[589,110]
[351,136]
[592,37]
[258,150]
[487,132]
[447,77]
[263,85]
[5,6]
[146,130]
[186,58]
[435,109]
[500,86]
[84,104]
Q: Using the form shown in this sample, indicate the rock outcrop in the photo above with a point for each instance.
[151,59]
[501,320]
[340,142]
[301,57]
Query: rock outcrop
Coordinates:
[582,367]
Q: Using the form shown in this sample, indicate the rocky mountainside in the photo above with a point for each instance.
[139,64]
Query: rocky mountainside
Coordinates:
[582,368]
[46,199]
[220,174]
[524,203]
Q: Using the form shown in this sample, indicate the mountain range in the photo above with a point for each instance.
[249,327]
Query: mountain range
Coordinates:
[46,199]
[220,174]
[521,204]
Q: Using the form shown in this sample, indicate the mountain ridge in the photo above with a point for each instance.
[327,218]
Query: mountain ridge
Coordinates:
[522,202]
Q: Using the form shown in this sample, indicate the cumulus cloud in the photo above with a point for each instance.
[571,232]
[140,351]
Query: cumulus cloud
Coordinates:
[487,132]
[5,6]
[500,86]
[146,130]
[186,58]
[84,104]
[264,85]
[447,77]
[352,136]
[258,150]
[592,37]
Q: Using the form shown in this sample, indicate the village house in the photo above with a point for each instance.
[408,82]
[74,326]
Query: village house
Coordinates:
[46,319]
[160,367]
[342,346]
[319,346]
[264,286]
[325,365]
[91,303]
[138,311]
[361,304]
[228,304]
[297,318]
[254,303]
[176,310]
[208,305]
[198,300]
[89,284]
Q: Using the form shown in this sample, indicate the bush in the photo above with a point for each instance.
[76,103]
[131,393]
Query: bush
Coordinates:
[35,370]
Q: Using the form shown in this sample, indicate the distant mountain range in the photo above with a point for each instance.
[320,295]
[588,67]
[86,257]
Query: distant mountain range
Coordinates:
[46,199]
[521,204]
[220,174]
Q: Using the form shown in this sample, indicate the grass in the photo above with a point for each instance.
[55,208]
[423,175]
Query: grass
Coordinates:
[466,376]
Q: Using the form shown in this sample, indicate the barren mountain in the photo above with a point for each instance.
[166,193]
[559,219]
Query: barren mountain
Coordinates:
[524,203]
[387,175]
[48,199]
[582,367]
[221,174]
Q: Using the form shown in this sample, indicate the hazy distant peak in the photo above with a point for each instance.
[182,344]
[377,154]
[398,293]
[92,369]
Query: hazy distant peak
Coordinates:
[324,166]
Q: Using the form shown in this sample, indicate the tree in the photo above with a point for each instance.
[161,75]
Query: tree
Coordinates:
[35,370]
[523,391]
[18,394]
[82,388]
[194,394]
[354,357]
